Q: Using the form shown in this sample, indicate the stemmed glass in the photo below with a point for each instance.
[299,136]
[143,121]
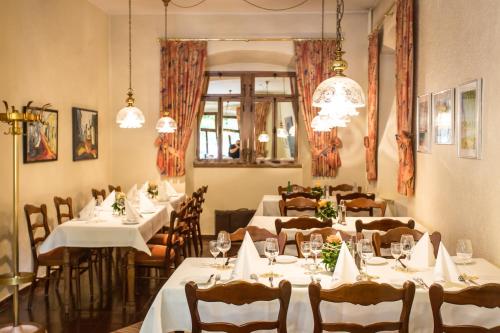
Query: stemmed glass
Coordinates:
[464,250]
[214,250]
[316,241]
[271,251]
[396,253]
[366,253]
[407,243]
[223,243]
[305,248]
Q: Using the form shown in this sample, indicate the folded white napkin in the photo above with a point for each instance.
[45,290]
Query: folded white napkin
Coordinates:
[169,188]
[110,199]
[422,255]
[445,270]
[130,212]
[87,213]
[133,194]
[145,205]
[345,269]
[247,258]
[144,187]
[162,192]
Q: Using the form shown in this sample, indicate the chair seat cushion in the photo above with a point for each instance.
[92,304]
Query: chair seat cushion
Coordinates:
[161,239]
[157,257]
[56,257]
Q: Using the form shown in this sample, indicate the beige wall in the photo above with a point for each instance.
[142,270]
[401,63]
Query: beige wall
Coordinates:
[134,154]
[52,51]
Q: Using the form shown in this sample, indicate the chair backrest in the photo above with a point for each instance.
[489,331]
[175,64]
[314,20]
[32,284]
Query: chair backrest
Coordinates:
[114,188]
[31,212]
[258,235]
[302,223]
[343,188]
[354,195]
[362,293]
[60,203]
[300,204]
[383,225]
[295,188]
[367,205]
[324,232]
[98,193]
[309,195]
[394,235]
[485,296]
[239,293]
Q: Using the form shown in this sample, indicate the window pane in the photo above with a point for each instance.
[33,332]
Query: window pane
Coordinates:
[208,145]
[231,130]
[208,131]
[208,121]
[285,131]
[224,85]
[264,129]
[273,85]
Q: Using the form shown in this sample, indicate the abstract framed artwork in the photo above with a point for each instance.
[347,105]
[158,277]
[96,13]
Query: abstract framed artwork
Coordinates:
[443,111]
[424,123]
[469,96]
[85,134]
[40,142]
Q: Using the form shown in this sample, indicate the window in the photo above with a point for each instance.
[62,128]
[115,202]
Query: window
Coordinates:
[248,117]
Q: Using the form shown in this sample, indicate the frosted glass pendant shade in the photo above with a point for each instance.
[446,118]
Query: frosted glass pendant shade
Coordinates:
[320,124]
[130,117]
[339,92]
[166,124]
[263,137]
[281,132]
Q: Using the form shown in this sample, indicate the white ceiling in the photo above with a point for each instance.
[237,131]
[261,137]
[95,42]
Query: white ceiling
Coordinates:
[152,7]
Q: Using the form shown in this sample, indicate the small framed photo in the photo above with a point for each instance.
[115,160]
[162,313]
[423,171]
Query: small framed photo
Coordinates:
[443,111]
[40,139]
[469,99]
[424,128]
[85,134]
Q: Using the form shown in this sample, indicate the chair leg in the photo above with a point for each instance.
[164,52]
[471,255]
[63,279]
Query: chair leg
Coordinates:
[198,231]
[33,286]
[91,277]
[47,280]
[99,270]
[195,241]
[78,288]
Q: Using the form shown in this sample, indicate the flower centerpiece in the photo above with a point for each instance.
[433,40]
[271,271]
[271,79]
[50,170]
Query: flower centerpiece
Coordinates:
[119,204]
[152,190]
[326,210]
[331,251]
[317,189]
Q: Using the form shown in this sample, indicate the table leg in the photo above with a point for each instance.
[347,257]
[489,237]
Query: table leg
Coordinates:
[67,280]
[131,279]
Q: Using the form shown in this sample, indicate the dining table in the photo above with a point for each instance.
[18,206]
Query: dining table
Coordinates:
[169,311]
[106,230]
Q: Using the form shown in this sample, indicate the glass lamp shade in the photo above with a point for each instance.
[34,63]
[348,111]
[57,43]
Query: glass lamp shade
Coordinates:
[263,137]
[281,132]
[320,124]
[130,117]
[166,124]
[339,92]
[291,131]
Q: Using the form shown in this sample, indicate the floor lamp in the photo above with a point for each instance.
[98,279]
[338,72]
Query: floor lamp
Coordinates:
[15,119]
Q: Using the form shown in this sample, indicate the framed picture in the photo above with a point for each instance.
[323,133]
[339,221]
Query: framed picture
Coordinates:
[424,123]
[469,119]
[41,138]
[85,134]
[443,111]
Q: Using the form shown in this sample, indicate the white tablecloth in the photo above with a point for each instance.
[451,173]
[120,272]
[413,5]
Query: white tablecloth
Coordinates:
[170,312]
[107,230]
[269,206]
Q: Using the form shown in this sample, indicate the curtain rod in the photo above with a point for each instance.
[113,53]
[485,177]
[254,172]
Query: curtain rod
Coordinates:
[389,12]
[276,39]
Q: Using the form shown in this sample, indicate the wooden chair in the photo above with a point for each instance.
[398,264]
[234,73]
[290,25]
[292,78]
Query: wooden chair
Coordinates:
[343,188]
[383,225]
[52,260]
[238,293]
[366,205]
[114,188]
[99,193]
[300,204]
[60,203]
[309,195]
[302,223]
[394,235]
[485,296]
[354,195]
[295,188]
[324,232]
[258,235]
[362,293]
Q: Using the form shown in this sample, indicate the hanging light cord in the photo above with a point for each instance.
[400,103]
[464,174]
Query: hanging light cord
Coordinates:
[130,45]
[340,15]
[322,33]
[165,112]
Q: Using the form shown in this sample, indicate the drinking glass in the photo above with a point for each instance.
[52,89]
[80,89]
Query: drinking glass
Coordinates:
[305,248]
[214,250]
[316,247]
[223,243]
[271,251]
[407,243]
[396,252]
[464,250]
[366,252]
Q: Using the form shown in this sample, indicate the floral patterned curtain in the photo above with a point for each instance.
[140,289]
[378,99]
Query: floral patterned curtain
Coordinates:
[372,106]
[313,66]
[182,80]
[261,112]
[404,95]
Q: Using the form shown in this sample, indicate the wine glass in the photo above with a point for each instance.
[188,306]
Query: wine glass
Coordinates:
[271,251]
[407,243]
[214,250]
[366,253]
[316,247]
[305,248]
[223,243]
[396,252]
[464,250]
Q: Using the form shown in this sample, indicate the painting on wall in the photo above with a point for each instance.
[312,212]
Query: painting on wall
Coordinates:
[469,119]
[424,123]
[443,110]
[40,139]
[85,134]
